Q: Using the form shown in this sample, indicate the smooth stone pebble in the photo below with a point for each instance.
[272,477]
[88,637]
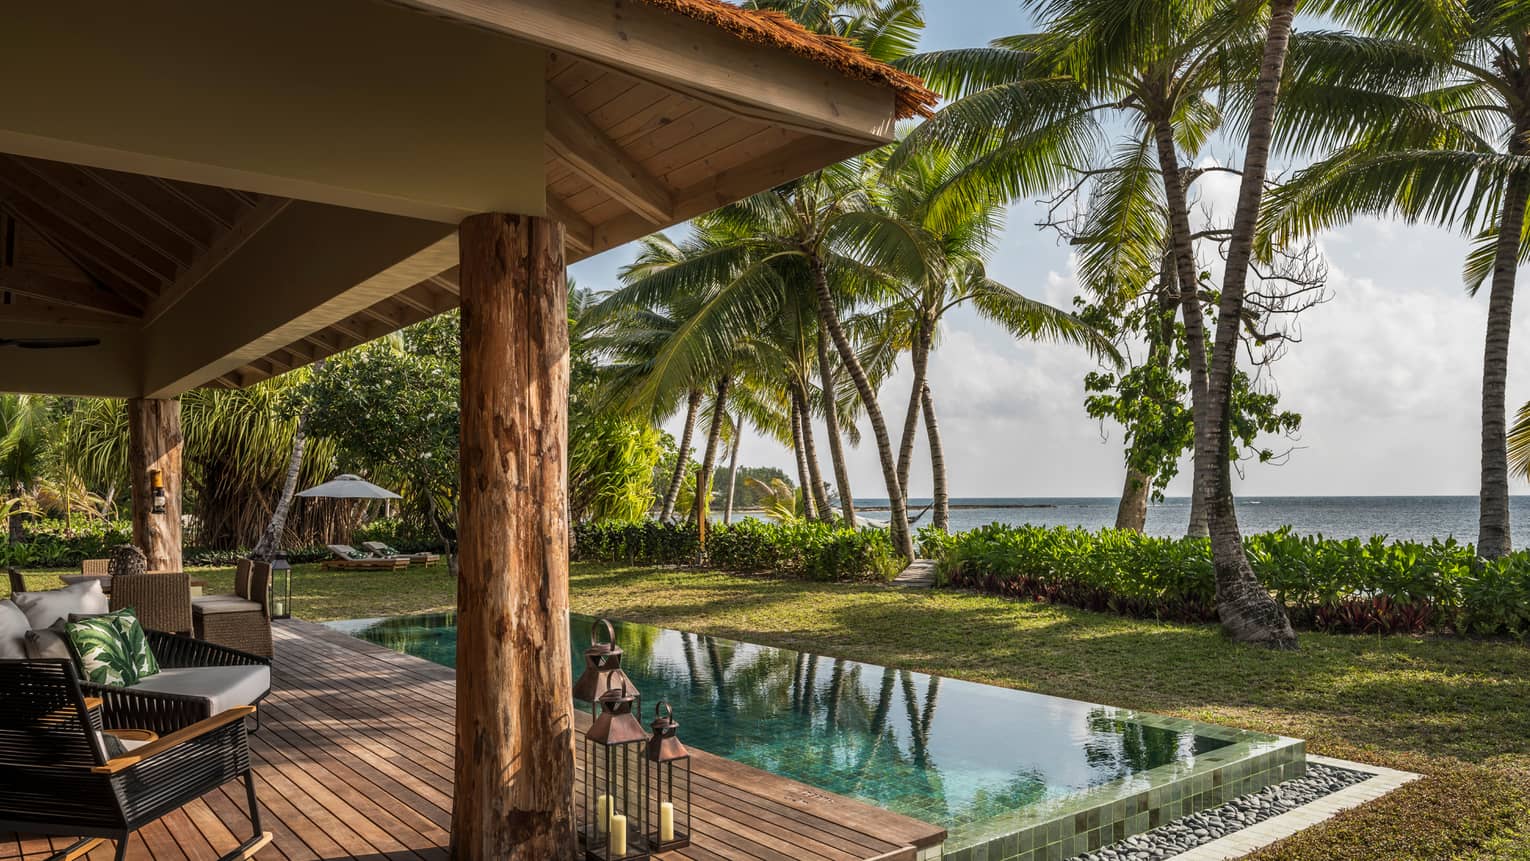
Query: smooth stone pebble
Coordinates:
[1191,831]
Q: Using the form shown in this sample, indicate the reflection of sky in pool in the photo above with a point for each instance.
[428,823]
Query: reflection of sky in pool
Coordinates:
[945,751]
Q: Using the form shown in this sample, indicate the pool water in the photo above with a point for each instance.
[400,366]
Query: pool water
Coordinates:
[941,750]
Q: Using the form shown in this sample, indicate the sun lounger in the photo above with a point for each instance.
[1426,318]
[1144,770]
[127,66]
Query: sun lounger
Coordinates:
[383,551]
[348,558]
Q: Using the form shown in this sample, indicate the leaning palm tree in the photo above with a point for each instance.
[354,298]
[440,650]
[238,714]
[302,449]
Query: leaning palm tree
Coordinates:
[937,254]
[746,260]
[1450,146]
[630,336]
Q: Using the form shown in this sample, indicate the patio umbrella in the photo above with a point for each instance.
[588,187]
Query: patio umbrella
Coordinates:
[349,487]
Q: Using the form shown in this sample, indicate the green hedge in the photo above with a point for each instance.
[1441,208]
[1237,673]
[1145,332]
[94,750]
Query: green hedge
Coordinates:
[47,546]
[815,551]
[1372,586]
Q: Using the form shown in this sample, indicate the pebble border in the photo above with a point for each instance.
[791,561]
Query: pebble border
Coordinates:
[1238,827]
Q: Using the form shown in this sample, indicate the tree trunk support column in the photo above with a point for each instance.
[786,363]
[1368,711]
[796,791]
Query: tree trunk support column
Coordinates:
[154,443]
[515,722]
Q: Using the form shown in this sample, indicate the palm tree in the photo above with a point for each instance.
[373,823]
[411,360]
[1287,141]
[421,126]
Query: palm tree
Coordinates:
[1026,112]
[749,261]
[938,253]
[630,336]
[1246,609]
[1449,85]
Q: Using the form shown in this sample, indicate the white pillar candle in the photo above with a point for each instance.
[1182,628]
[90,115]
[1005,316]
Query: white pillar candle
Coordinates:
[666,821]
[618,834]
[602,812]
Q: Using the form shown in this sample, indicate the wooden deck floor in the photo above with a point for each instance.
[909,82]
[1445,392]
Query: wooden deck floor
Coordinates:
[355,761]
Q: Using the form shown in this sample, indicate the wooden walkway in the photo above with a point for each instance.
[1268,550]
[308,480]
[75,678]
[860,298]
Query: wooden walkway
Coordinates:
[355,761]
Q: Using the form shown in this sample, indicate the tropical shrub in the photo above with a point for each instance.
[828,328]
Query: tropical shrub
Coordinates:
[50,544]
[1349,586]
[811,550]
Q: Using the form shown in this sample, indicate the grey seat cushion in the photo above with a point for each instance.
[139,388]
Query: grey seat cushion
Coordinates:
[45,608]
[222,687]
[210,604]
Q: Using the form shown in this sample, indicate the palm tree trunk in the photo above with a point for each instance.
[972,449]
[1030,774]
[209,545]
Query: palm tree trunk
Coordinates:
[271,540]
[1190,304]
[921,361]
[831,428]
[815,490]
[738,426]
[1493,516]
[1132,512]
[809,509]
[709,460]
[693,406]
[1247,610]
[902,539]
[942,519]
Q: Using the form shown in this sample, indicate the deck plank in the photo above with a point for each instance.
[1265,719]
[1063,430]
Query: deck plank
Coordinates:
[354,761]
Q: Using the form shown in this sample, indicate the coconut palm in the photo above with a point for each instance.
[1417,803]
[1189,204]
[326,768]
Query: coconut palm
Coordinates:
[1450,146]
[938,254]
[746,260]
[1028,110]
[886,30]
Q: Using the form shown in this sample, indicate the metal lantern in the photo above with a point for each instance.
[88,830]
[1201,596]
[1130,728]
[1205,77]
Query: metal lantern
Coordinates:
[669,793]
[281,587]
[603,668]
[614,824]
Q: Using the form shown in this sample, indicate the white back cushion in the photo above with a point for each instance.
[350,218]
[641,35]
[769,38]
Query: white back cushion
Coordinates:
[45,608]
[13,630]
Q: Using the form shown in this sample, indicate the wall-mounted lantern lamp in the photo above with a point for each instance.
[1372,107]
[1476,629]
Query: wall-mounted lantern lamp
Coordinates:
[157,491]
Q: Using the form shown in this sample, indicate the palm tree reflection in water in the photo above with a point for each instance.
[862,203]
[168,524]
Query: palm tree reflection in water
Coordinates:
[860,730]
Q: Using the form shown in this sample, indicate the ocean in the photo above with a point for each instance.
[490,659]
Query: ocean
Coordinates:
[1401,518]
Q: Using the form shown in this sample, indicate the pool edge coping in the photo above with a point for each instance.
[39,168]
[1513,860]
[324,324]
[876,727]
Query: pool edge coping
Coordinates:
[1382,781]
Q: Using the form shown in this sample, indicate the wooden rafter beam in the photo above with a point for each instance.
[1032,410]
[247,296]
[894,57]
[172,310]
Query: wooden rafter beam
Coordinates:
[576,231]
[222,248]
[16,308]
[587,149]
[62,291]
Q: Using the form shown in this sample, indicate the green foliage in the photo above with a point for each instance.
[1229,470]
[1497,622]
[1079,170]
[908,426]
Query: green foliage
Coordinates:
[748,493]
[611,462]
[391,409]
[805,549]
[777,499]
[48,545]
[1348,586]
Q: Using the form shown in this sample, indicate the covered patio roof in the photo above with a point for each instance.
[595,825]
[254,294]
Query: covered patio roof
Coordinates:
[224,192]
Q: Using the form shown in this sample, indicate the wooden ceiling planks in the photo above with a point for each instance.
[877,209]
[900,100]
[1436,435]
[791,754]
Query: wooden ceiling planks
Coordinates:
[624,155]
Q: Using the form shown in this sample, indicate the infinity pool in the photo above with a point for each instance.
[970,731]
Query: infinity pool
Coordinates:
[952,753]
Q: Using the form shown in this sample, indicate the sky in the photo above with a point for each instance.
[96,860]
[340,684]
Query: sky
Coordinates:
[1387,375]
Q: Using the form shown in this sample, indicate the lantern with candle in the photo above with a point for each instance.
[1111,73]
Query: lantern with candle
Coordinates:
[616,780]
[669,793]
[603,668]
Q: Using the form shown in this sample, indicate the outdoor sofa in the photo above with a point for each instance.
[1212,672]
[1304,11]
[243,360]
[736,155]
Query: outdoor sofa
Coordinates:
[196,680]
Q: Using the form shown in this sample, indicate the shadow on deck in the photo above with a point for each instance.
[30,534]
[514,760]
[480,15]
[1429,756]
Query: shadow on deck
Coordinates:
[354,761]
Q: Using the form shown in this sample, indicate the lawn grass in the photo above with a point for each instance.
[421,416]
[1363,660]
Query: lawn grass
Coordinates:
[1455,710]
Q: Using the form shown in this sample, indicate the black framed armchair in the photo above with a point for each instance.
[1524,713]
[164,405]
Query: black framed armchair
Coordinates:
[62,775]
